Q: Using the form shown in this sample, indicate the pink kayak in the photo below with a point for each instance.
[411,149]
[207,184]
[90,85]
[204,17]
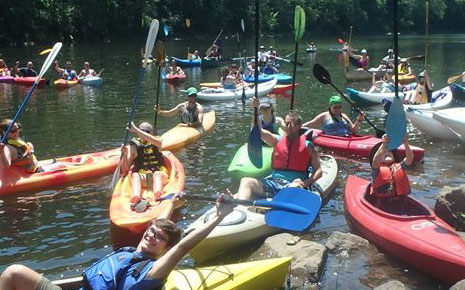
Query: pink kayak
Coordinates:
[356,146]
[28,81]
[175,78]
[408,230]
[7,79]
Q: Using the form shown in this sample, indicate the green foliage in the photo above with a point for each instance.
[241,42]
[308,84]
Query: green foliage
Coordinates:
[52,20]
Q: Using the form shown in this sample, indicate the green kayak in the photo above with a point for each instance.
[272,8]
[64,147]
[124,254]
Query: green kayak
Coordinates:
[241,166]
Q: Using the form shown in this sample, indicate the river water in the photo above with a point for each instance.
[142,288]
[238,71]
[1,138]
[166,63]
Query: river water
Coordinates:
[61,231]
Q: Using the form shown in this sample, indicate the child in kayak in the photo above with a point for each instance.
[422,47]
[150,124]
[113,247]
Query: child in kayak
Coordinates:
[334,121]
[145,267]
[387,170]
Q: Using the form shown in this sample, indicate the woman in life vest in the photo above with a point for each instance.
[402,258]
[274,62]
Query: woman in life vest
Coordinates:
[145,267]
[191,111]
[144,155]
[404,68]
[362,59]
[422,92]
[228,81]
[267,118]
[66,73]
[292,156]
[388,176]
[334,121]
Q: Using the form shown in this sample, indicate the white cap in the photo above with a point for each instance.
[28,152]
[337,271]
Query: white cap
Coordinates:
[363,51]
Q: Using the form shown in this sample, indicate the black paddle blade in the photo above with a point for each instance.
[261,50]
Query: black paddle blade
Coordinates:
[353,61]
[321,74]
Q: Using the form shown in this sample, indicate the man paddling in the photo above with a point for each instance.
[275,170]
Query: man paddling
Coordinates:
[291,159]
[144,267]
[191,111]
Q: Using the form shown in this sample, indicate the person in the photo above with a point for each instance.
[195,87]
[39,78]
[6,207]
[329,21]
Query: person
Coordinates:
[388,61]
[228,81]
[387,171]
[385,85]
[362,59]
[234,72]
[423,91]
[251,68]
[262,56]
[269,69]
[334,121]
[345,47]
[404,68]
[66,73]
[191,111]
[27,71]
[195,56]
[174,69]
[144,152]
[4,70]
[267,118]
[213,52]
[88,72]
[145,267]
[291,159]
[311,46]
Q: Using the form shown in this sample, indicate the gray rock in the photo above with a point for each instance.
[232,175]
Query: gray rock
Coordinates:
[391,285]
[460,285]
[308,257]
[450,206]
[345,242]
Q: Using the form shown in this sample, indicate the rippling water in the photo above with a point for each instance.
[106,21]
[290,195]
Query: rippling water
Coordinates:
[61,231]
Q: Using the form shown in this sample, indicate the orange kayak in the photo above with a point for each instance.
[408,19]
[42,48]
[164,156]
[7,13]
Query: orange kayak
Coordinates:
[64,84]
[67,170]
[121,214]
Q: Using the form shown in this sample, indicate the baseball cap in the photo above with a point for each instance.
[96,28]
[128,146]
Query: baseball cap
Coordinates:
[363,51]
[334,100]
[265,103]
[191,92]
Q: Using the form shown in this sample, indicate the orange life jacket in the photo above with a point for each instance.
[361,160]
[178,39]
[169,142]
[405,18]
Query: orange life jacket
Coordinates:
[296,158]
[391,181]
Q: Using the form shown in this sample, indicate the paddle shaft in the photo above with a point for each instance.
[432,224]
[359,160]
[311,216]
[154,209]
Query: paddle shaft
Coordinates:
[214,41]
[294,74]
[426,31]
[158,100]
[396,48]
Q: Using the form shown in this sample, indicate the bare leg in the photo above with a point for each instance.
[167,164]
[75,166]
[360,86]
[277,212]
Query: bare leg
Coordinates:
[159,181]
[19,277]
[248,187]
[136,185]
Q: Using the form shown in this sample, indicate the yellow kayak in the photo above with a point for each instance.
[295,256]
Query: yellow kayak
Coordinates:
[178,137]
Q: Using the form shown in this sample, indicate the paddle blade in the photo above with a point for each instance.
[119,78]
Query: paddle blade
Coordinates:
[115,178]
[48,61]
[153,31]
[339,40]
[243,25]
[166,30]
[254,147]
[321,74]
[160,52]
[299,22]
[416,57]
[396,124]
[293,221]
[188,22]
[45,51]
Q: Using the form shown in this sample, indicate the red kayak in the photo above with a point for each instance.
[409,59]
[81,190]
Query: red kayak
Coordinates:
[356,146]
[175,78]
[28,81]
[408,230]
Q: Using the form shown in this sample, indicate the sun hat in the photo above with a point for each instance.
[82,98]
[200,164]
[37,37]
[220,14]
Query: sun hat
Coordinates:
[335,100]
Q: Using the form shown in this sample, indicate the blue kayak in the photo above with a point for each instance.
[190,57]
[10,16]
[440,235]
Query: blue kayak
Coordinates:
[92,81]
[187,63]
[282,78]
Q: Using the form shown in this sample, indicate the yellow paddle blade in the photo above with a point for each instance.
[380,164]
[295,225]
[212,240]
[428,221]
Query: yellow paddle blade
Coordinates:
[188,22]
[45,51]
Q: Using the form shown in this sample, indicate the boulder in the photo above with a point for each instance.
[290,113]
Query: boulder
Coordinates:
[450,206]
[460,285]
[391,285]
[339,243]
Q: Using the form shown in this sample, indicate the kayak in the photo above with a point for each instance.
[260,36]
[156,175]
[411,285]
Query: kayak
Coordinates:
[278,89]
[282,78]
[175,78]
[7,79]
[64,84]
[28,81]
[408,230]
[229,95]
[424,121]
[256,275]
[441,98]
[247,223]
[178,137]
[149,61]
[356,146]
[187,63]
[360,75]
[241,166]
[453,119]
[458,91]
[91,81]
[121,214]
[405,78]
[68,170]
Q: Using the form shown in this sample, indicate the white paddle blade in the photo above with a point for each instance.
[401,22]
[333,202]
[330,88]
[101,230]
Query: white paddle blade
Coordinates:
[243,25]
[151,37]
[48,61]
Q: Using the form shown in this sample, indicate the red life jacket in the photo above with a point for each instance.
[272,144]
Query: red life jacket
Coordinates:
[296,158]
[391,181]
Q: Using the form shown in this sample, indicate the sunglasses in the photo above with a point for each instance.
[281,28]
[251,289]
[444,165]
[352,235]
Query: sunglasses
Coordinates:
[337,107]
[157,235]
[290,124]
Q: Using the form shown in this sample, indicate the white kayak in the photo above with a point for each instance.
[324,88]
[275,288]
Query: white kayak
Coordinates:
[228,95]
[423,120]
[91,81]
[453,119]
[247,223]
[441,98]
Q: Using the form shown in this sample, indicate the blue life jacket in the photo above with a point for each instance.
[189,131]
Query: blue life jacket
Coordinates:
[70,75]
[332,126]
[124,269]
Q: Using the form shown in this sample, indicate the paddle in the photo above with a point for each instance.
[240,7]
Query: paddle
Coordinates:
[396,123]
[152,35]
[207,53]
[426,31]
[48,61]
[299,29]
[45,51]
[322,75]
[254,146]
[245,63]
[454,78]
[160,56]
[188,24]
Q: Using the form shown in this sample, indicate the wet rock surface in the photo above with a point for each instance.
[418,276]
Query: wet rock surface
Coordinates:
[450,206]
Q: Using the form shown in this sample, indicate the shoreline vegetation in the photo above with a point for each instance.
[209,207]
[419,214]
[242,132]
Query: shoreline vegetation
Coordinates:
[29,22]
